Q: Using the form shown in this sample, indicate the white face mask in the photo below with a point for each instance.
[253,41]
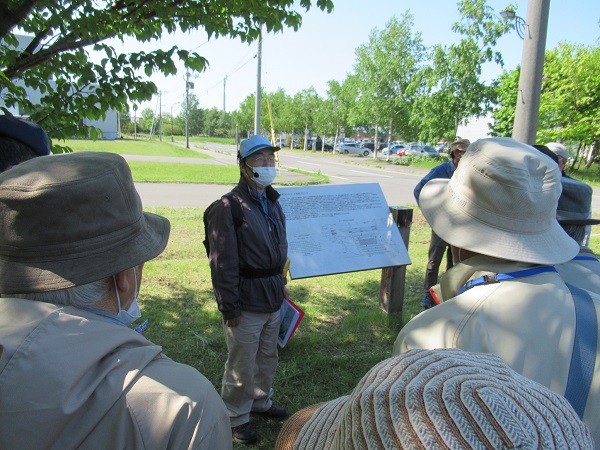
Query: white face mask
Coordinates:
[133,313]
[266,176]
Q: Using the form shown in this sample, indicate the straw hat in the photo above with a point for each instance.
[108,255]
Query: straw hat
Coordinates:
[445,398]
[501,201]
[71,220]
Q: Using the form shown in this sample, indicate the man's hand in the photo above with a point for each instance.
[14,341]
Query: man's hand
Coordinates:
[232,322]
[286,293]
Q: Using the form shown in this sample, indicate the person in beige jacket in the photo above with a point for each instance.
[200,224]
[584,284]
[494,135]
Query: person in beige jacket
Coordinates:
[73,243]
[505,295]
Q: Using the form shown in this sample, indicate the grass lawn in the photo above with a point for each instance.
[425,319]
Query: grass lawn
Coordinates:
[343,334]
[134,147]
[152,172]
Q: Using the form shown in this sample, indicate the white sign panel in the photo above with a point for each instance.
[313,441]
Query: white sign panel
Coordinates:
[340,228]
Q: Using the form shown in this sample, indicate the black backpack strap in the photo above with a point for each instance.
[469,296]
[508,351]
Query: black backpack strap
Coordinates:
[236,210]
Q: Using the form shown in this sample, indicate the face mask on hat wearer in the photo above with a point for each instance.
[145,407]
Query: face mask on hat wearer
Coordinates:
[133,313]
[266,176]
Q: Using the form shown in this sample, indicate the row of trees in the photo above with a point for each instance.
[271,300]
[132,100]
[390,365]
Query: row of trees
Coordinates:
[570,99]
[73,86]
[201,122]
[397,86]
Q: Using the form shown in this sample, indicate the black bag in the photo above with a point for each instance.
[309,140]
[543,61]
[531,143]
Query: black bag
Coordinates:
[236,212]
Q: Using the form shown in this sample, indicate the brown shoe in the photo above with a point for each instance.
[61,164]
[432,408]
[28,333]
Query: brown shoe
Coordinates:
[244,434]
[274,412]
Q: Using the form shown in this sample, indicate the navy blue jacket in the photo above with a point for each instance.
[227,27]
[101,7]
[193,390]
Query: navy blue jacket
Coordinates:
[444,170]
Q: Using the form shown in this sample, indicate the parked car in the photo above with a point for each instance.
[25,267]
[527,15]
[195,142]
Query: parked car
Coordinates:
[369,145]
[442,147]
[421,150]
[319,146]
[393,150]
[401,151]
[351,149]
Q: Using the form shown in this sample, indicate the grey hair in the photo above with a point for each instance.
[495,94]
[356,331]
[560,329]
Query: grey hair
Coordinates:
[84,296]
[576,232]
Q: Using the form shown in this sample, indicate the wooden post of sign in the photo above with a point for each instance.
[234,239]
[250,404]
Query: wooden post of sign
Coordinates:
[391,291]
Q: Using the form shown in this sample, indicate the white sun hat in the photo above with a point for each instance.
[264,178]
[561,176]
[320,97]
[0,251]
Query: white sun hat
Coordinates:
[559,149]
[501,202]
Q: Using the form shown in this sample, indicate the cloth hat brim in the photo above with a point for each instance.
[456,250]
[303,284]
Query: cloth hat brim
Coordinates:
[497,204]
[455,226]
[32,275]
[72,220]
[254,144]
[258,147]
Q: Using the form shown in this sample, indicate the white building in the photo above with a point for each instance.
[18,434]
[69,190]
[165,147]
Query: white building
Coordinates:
[108,126]
[475,129]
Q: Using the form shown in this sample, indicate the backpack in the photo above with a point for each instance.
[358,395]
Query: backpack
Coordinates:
[236,212]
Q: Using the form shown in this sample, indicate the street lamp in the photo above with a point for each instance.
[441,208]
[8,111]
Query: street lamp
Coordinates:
[520,24]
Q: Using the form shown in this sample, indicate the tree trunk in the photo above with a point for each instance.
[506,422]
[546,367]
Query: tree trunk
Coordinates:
[376,141]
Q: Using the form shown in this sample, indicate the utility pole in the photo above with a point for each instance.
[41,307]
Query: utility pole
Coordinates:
[224,86]
[532,67]
[160,116]
[176,103]
[258,90]
[135,121]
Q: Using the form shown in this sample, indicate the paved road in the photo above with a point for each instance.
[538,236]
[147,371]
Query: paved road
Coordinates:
[397,182]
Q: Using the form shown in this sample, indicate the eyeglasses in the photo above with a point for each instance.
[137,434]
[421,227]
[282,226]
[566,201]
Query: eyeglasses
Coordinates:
[459,152]
[262,160]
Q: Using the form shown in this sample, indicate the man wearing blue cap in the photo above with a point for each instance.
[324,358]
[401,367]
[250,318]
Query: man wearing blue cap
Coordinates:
[21,140]
[248,248]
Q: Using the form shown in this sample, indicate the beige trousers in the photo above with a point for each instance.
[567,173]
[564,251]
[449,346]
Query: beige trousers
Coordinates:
[251,365]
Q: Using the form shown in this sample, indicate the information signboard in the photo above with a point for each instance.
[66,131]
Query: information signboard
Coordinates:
[340,228]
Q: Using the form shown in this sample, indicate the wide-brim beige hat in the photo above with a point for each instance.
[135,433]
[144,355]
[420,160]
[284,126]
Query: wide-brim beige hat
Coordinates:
[432,399]
[70,220]
[501,201]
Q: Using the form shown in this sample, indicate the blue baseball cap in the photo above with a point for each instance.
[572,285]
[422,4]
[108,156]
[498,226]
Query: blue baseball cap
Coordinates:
[254,144]
[27,132]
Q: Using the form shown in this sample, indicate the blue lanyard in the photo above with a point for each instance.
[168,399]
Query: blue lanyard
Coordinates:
[498,277]
[585,258]
[583,358]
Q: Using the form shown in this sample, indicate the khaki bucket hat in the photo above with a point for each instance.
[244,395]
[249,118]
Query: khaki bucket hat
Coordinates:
[501,202]
[70,220]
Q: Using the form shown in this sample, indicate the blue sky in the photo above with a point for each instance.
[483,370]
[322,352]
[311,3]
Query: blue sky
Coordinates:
[324,47]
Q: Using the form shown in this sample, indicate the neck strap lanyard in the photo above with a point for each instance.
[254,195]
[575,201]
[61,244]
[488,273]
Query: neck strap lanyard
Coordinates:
[583,359]
[498,277]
